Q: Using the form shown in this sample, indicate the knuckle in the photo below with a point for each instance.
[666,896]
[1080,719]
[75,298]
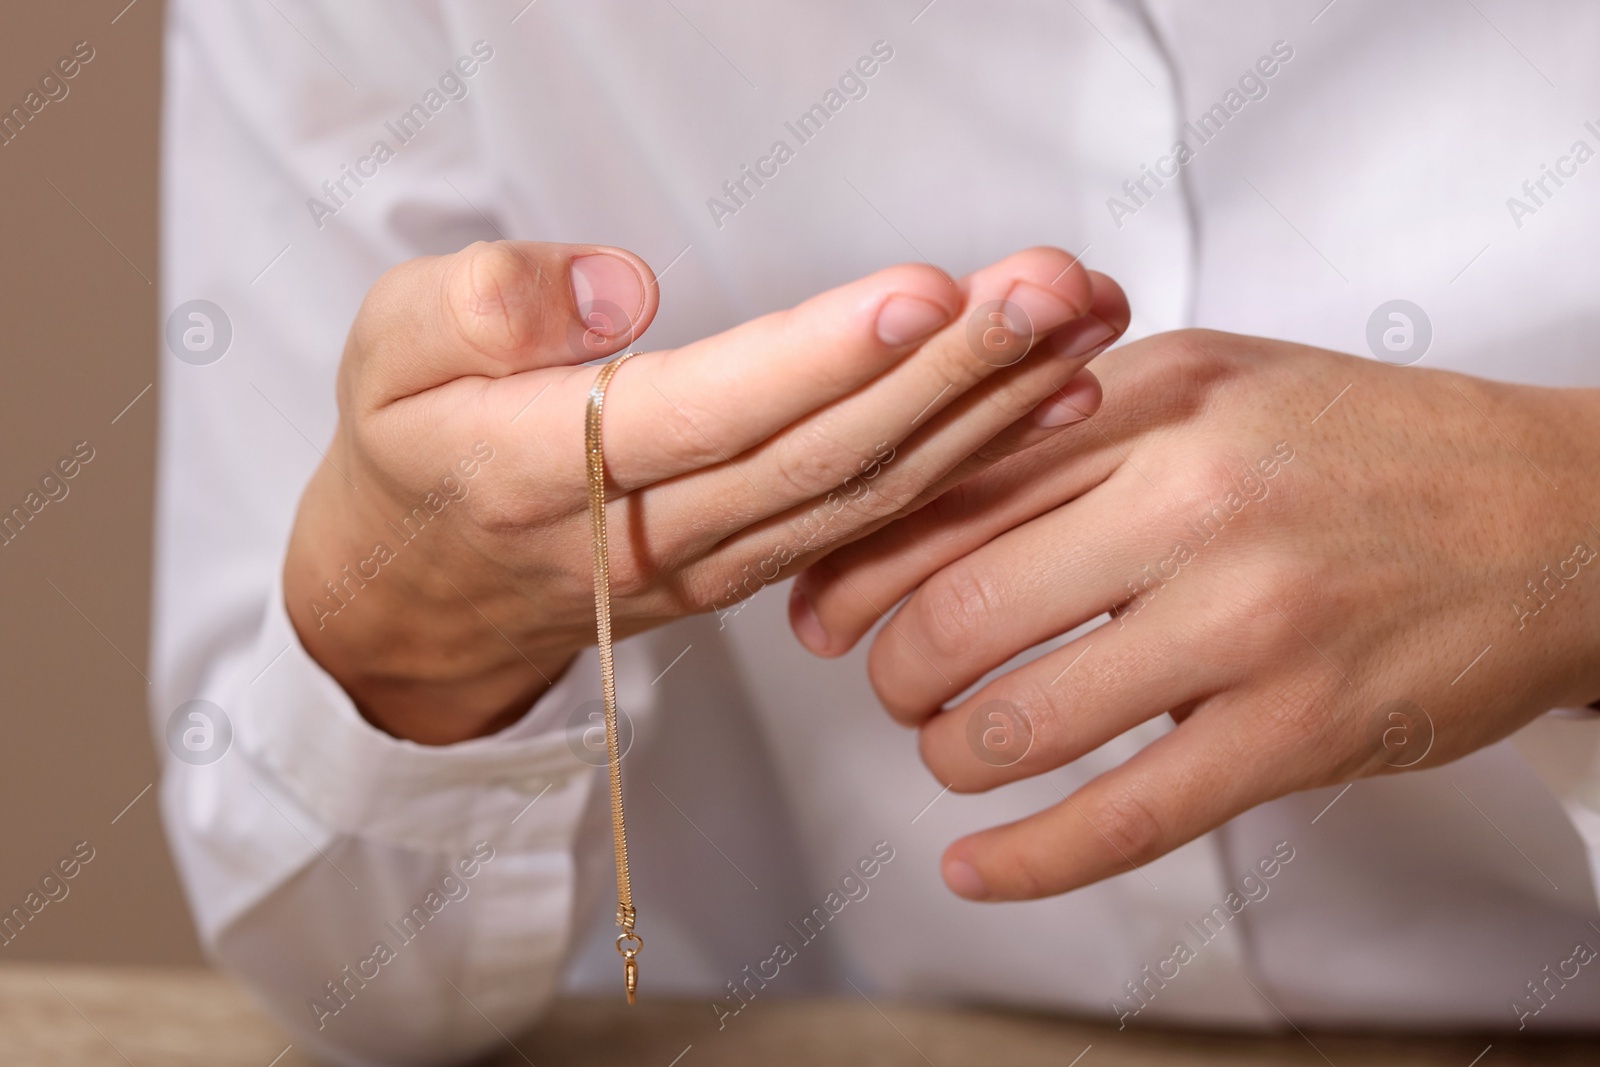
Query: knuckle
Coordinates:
[714,584]
[953,608]
[1045,709]
[692,435]
[489,299]
[496,514]
[634,575]
[1008,404]
[1283,582]
[370,430]
[1179,373]
[1215,490]
[887,498]
[1202,484]
[956,506]
[1129,824]
[806,467]
[1198,355]
[961,362]
[1248,631]
[1300,714]
[703,589]
[1026,875]
[1284,611]
[862,498]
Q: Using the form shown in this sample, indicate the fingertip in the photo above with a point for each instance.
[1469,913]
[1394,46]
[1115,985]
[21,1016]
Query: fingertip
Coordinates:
[804,622]
[526,304]
[962,877]
[886,655]
[830,599]
[910,302]
[927,281]
[1061,273]
[1079,399]
[1109,302]
[904,319]
[1028,294]
[614,296]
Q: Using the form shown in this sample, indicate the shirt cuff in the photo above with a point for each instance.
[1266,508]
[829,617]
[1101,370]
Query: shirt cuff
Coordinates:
[1563,748]
[523,788]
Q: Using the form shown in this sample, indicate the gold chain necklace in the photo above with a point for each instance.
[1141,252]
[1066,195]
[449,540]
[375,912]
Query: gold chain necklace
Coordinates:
[628,942]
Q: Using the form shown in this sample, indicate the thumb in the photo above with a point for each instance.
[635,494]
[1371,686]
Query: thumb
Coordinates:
[494,309]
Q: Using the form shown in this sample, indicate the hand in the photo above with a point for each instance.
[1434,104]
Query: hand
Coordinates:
[440,563]
[1291,543]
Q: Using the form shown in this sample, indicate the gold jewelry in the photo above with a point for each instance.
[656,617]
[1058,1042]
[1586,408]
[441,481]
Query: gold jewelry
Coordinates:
[628,942]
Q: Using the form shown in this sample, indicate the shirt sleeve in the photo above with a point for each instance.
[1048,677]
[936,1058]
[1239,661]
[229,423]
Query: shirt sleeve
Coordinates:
[388,902]
[1563,748]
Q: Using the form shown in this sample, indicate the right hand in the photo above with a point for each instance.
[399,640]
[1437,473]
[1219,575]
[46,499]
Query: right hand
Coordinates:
[443,589]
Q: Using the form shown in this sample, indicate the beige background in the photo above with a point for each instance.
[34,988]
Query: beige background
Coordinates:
[79,326]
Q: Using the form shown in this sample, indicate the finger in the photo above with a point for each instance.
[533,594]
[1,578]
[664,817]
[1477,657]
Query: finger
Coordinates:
[671,412]
[821,450]
[1070,701]
[884,485]
[866,491]
[882,488]
[1188,782]
[492,310]
[827,345]
[1083,339]
[845,590]
[1038,580]
[1073,402]
[837,599]
[674,412]
[1079,397]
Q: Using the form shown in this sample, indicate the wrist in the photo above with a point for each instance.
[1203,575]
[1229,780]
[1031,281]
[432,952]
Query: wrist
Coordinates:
[1573,419]
[404,632]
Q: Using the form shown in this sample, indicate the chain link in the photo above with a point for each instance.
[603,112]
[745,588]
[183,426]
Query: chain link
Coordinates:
[595,450]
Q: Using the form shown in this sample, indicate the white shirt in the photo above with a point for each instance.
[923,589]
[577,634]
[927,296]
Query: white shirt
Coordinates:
[1378,165]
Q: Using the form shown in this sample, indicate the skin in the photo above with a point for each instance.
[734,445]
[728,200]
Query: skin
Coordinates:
[1373,566]
[462,391]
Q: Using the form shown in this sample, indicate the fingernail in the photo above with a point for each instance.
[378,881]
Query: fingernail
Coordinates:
[1090,333]
[607,292]
[1044,308]
[807,627]
[963,878]
[904,319]
[1073,402]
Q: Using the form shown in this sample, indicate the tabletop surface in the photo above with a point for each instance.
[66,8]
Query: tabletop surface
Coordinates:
[87,1016]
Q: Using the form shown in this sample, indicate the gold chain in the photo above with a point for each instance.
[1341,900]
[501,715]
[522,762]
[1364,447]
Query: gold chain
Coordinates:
[628,942]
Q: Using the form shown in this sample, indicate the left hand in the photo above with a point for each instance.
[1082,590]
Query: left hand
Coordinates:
[1290,541]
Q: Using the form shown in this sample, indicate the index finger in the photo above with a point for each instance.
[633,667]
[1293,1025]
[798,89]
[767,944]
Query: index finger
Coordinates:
[711,401]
